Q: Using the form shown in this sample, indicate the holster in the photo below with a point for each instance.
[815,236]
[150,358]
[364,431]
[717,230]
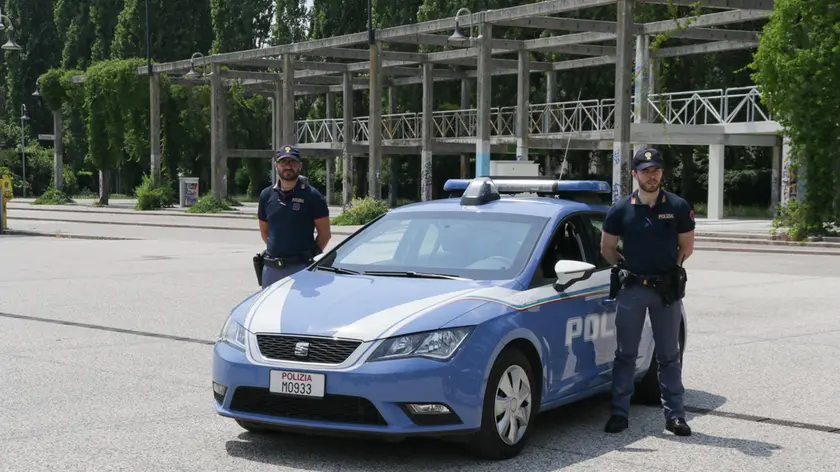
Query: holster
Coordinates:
[616,281]
[259,262]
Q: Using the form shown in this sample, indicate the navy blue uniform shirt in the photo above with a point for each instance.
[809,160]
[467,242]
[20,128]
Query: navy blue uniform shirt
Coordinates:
[291,219]
[650,234]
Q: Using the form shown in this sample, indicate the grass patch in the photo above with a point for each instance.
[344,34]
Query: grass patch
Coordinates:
[209,204]
[53,196]
[361,211]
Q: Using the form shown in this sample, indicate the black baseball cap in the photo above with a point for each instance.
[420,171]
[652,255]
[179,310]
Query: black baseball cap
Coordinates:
[647,157]
[287,151]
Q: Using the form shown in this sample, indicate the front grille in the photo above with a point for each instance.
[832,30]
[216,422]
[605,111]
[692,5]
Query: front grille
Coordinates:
[333,408]
[320,350]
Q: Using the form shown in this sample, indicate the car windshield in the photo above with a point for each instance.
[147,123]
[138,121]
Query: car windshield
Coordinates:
[479,246]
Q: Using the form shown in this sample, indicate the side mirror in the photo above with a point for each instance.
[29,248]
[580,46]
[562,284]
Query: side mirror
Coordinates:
[318,257]
[570,272]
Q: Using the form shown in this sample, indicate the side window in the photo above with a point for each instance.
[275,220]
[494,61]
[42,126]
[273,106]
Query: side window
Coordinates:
[594,224]
[567,243]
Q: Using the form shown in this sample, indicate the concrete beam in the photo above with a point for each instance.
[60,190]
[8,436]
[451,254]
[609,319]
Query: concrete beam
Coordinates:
[344,53]
[600,26]
[443,41]
[711,19]
[704,48]
[730,4]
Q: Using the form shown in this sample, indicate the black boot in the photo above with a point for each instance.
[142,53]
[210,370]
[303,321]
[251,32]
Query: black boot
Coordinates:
[678,426]
[616,424]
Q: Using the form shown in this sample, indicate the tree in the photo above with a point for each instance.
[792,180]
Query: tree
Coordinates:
[797,70]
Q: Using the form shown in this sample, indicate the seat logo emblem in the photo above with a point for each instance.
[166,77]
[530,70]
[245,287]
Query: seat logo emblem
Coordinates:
[302,349]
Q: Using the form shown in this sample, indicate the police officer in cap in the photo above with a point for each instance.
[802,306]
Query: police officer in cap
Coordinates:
[656,228]
[289,213]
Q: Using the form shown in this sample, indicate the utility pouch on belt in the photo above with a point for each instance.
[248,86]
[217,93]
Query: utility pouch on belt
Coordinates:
[259,262]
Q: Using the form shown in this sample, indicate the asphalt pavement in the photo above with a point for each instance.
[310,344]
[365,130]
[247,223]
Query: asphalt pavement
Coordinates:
[105,364]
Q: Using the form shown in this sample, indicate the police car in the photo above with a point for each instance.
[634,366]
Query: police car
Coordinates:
[461,316]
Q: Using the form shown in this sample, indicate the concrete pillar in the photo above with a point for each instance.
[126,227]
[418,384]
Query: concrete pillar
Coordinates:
[330,161]
[375,124]
[623,75]
[346,157]
[276,126]
[58,150]
[288,108]
[154,126]
[715,199]
[218,164]
[392,160]
[483,79]
[465,105]
[426,149]
[523,109]
[642,84]
[550,97]
[776,177]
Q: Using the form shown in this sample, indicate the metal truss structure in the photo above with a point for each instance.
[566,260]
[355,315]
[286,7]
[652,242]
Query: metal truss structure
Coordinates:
[476,52]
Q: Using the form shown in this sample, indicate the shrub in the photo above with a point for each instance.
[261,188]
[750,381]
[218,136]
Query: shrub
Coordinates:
[209,204]
[53,197]
[361,211]
[153,197]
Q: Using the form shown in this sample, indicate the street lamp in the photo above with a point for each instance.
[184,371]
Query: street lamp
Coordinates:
[458,37]
[10,45]
[192,73]
[37,92]
[23,119]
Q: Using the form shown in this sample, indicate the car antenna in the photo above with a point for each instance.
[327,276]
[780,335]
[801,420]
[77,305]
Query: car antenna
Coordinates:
[569,141]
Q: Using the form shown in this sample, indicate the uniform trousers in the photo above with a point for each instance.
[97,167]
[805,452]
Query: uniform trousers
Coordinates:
[271,273]
[634,301]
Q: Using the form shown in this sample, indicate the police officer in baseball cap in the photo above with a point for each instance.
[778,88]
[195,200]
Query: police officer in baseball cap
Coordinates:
[289,213]
[656,228]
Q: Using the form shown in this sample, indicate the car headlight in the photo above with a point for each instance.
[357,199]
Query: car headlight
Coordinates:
[439,345]
[233,333]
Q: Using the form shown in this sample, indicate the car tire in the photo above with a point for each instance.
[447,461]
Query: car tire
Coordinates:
[647,391]
[487,442]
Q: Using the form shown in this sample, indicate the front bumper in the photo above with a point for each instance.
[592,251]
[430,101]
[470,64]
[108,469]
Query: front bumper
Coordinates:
[366,398]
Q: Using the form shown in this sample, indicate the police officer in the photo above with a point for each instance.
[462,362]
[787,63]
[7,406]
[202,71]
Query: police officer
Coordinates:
[289,213]
[657,231]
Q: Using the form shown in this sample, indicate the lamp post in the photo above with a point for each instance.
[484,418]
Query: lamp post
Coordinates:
[23,119]
[10,44]
[458,37]
[37,92]
[192,73]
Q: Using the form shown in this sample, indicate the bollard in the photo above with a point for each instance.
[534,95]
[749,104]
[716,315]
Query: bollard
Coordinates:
[6,195]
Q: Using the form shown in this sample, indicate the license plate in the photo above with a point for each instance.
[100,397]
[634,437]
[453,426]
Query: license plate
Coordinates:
[303,384]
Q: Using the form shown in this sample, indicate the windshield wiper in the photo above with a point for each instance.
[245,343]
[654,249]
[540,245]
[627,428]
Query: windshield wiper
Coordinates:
[409,273]
[337,270]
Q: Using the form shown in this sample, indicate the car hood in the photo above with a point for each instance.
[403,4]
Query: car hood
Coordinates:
[359,307]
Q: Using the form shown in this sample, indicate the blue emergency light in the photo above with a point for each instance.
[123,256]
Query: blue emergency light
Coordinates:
[485,189]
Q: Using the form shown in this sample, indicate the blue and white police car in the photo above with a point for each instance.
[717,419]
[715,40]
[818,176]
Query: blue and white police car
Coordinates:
[460,316]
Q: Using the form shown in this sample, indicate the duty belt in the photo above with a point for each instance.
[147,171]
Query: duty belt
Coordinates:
[285,261]
[630,278]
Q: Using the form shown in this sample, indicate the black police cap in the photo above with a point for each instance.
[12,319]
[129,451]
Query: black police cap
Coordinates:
[647,157]
[287,151]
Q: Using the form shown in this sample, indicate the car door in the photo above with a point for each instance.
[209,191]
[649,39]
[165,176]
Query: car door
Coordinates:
[600,309]
[571,318]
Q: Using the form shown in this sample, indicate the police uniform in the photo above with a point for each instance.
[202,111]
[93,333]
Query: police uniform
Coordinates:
[290,216]
[650,249]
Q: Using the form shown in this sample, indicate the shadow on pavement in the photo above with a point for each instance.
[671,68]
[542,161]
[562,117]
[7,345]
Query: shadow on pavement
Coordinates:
[562,437]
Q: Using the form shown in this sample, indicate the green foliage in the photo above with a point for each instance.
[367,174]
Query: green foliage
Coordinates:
[209,204]
[361,211]
[117,103]
[795,64]
[53,196]
[153,197]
